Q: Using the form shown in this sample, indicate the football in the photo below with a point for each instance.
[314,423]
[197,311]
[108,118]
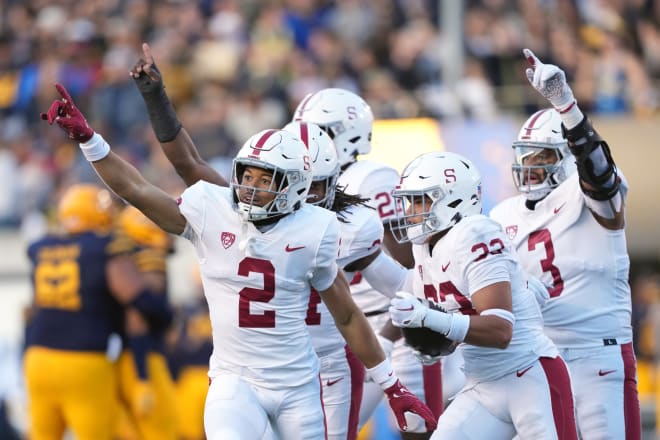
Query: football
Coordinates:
[428,341]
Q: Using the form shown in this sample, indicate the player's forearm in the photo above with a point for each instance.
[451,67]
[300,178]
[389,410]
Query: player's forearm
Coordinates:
[361,339]
[183,155]
[121,177]
[401,252]
[489,331]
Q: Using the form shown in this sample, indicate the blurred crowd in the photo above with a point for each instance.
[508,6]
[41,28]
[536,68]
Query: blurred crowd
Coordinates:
[234,67]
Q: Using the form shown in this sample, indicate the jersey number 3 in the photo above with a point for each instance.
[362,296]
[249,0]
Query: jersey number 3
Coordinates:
[543,236]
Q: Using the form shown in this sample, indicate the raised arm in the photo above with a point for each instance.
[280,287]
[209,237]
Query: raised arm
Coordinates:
[120,176]
[174,139]
[603,188]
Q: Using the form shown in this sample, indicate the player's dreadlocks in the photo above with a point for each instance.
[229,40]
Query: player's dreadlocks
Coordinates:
[344,200]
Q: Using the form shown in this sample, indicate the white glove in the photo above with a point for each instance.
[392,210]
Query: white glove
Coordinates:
[407,311]
[550,81]
[426,359]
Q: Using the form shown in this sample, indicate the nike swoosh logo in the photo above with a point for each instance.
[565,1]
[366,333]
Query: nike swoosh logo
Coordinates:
[330,383]
[520,373]
[407,309]
[605,373]
[445,266]
[556,210]
[291,249]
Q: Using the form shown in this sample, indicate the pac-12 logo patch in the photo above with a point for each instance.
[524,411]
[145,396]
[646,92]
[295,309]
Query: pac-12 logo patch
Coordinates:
[511,231]
[228,239]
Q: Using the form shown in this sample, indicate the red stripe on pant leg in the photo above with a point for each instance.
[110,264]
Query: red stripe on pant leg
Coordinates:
[357,385]
[432,377]
[631,411]
[561,396]
[325,423]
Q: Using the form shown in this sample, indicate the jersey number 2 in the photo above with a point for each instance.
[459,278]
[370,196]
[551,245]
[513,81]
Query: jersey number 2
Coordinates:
[248,294]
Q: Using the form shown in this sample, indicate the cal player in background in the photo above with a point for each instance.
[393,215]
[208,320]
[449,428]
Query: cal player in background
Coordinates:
[516,381]
[348,120]
[258,238]
[568,228]
[145,382]
[82,279]
[190,346]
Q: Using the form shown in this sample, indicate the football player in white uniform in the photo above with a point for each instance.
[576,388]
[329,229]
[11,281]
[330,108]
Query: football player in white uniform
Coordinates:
[568,228]
[348,120]
[260,249]
[516,381]
[361,235]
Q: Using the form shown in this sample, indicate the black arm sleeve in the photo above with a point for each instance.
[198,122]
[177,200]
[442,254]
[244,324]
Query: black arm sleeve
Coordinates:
[163,118]
[585,143]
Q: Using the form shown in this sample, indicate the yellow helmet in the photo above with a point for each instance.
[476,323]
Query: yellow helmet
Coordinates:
[143,231]
[86,207]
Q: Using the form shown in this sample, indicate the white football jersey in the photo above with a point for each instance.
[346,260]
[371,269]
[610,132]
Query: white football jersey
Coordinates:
[360,234]
[583,265]
[472,255]
[375,181]
[257,284]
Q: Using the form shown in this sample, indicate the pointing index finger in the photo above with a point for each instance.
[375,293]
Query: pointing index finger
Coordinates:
[146,50]
[531,58]
[63,93]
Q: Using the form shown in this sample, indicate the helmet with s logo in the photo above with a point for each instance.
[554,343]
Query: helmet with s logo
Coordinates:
[284,156]
[542,157]
[342,114]
[446,185]
[325,166]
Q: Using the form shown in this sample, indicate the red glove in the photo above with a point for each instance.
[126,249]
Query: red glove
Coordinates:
[402,400]
[68,117]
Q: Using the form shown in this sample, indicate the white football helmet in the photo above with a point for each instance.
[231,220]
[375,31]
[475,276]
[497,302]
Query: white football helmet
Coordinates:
[345,116]
[447,185]
[287,157]
[325,166]
[541,150]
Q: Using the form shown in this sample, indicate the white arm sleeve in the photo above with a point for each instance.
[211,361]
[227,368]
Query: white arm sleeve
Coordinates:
[385,275]
[325,270]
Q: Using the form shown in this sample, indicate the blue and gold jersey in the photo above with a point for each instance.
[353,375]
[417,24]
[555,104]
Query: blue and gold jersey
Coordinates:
[194,341]
[73,307]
